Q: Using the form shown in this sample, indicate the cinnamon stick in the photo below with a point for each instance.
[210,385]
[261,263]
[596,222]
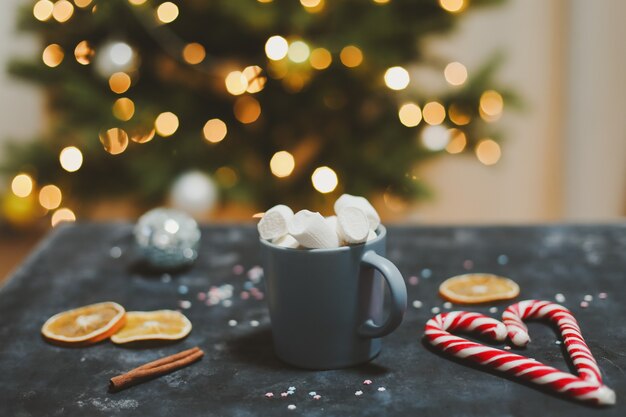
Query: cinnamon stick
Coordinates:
[156,368]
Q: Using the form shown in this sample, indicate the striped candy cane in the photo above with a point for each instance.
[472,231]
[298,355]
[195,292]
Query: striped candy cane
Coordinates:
[438,334]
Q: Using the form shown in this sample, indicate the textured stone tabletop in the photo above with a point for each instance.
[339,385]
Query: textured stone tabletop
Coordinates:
[76,265]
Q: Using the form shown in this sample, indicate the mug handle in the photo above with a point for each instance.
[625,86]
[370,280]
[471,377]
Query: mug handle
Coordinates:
[398,296]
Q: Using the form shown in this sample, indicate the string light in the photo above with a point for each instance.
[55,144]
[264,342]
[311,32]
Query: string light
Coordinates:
[236,83]
[71,158]
[320,58]
[166,124]
[434,113]
[42,10]
[458,116]
[435,138]
[137,2]
[83,53]
[324,180]
[265,1]
[351,56]
[22,185]
[488,152]
[194,53]
[313,6]
[123,109]
[121,53]
[452,6]
[141,136]
[282,164]
[491,105]
[62,215]
[214,130]
[226,176]
[167,12]
[458,141]
[50,197]
[114,141]
[455,73]
[276,48]
[256,82]
[410,114]
[298,52]
[83,3]
[381,1]
[119,82]
[62,11]
[52,55]
[397,78]
[247,109]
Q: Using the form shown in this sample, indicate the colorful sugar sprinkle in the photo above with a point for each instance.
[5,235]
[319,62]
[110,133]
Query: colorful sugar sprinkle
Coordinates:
[413,280]
[254,323]
[560,298]
[183,289]
[358,393]
[238,269]
[283,394]
[115,252]
[507,348]
[367,382]
[602,296]
[493,310]
[227,303]
[588,298]
[184,304]
[312,393]
[255,274]
[291,407]
[426,273]
[503,259]
[201,296]
[317,397]
[468,264]
[417,304]
[291,389]
[584,304]
[382,389]
[166,278]
[435,310]
[269,394]
[232,323]
[447,305]
[558,342]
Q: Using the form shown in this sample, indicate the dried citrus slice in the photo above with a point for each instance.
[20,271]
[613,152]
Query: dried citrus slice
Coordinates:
[478,288]
[84,325]
[153,325]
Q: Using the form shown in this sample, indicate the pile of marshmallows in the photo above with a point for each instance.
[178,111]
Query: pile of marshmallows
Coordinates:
[355,222]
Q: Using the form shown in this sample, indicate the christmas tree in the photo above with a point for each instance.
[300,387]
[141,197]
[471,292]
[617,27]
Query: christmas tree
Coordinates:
[277,101]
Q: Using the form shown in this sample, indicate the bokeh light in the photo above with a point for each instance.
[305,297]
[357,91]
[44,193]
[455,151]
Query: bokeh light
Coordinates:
[397,78]
[166,124]
[42,10]
[452,6]
[71,159]
[455,73]
[410,114]
[52,55]
[381,1]
[137,2]
[62,11]
[256,82]
[435,138]
[62,215]
[458,141]
[167,12]
[22,185]
[298,52]
[119,82]
[214,130]
[351,56]
[83,53]
[458,116]
[434,113]
[276,48]
[491,105]
[313,6]
[236,83]
[488,152]
[320,58]
[123,109]
[139,135]
[194,53]
[226,176]
[50,197]
[282,164]
[121,53]
[83,3]
[114,141]
[324,179]
[247,109]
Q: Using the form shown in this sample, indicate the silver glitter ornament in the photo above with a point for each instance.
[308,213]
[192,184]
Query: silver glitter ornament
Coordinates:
[167,238]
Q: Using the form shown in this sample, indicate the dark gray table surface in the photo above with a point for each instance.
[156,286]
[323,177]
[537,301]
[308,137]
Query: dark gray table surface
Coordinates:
[74,267]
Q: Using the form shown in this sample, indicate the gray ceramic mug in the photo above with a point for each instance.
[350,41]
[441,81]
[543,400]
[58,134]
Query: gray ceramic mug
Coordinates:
[326,305]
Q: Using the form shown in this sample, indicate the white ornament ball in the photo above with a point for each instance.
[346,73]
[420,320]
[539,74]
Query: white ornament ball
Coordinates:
[194,192]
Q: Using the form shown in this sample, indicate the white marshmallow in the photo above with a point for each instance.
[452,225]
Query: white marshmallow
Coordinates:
[286,241]
[347,200]
[371,236]
[274,222]
[352,225]
[312,231]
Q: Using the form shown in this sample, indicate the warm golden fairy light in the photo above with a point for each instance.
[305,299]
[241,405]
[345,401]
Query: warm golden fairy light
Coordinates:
[123,109]
[276,48]
[166,124]
[351,56]
[458,141]
[42,10]
[142,135]
[488,152]
[282,164]
[71,159]
[435,138]
[50,197]
[226,176]
[236,83]
[313,6]
[114,141]
[137,2]
[397,78]
[264,1]
[434,113]
[194,53]
[320,58]
[298,52]
[83,3]
[167,12]
[247,109]
[119,82]
[53,55]
[294,82]
[63,215]
[121,53]
[22,185]
[83,53]
[452,6]
[214,130]
[455,73]
[491,104]
[410,114]
[62,11]
[256,82]
[458,116]
[324,180]
[381,1]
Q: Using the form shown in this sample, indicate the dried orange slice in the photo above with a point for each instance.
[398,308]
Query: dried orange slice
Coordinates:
[478,288]
[153,325]
[84,325]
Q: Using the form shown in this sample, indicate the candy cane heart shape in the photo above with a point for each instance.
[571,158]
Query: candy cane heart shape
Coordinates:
[438,334]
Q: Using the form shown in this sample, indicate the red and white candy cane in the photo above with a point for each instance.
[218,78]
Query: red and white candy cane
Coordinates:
[438,334]
[578,351]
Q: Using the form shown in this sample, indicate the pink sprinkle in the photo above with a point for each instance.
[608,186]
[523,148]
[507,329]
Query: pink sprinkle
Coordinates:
[413,280]
[259,296]
[283,394]
[468,264]
[317,397]
[507,348]
[238,269]
[201,296]
[244,295]
[584,304]
[602,295]
[269,394]
[367,382]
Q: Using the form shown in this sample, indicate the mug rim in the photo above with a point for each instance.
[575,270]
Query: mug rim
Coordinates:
[381,232]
